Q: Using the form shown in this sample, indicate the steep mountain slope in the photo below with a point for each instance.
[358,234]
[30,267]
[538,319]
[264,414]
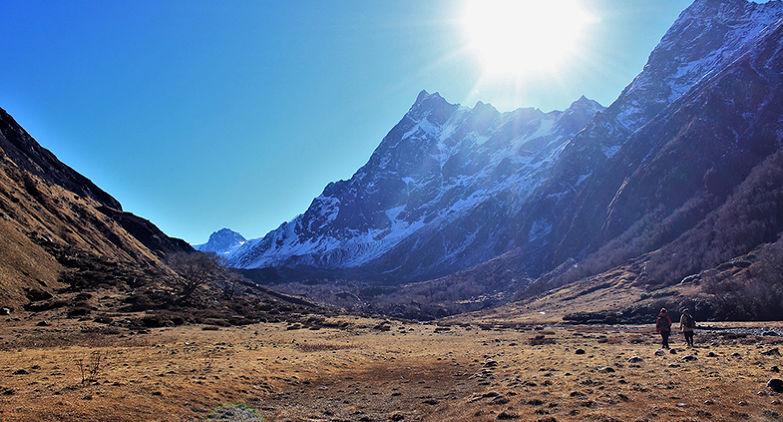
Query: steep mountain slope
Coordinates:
[682,194]
[43,201]
[68,249]
[222,242]
[705,39]
[436,196]
[686,162]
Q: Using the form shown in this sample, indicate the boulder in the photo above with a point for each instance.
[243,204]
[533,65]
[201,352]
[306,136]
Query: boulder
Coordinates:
[5,311]
[775,384]
[36,295]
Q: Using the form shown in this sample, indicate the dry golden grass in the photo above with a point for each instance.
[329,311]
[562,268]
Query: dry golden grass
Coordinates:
[409,372]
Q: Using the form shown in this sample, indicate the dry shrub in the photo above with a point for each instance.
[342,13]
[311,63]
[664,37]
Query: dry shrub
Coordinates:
[90,368]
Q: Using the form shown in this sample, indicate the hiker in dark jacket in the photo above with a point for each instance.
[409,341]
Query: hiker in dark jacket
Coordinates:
[687,326]
[664,326]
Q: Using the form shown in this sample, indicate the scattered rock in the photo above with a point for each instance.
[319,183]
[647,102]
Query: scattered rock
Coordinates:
[776,385]
[507,415]
[770,333]
[5,311]
[673,351]
[689,358]
[78,312]
[155,321]
[490,363]
[771,415]
[712,355]
[383,326]
[35,295]
[540,340]
[45,306]
[580,351]
[103,319]
[635,359]
[43,323]
[431,402]
[771,352]
[775,369]
[659,352]
[605,369]
[500,400]
[21,371]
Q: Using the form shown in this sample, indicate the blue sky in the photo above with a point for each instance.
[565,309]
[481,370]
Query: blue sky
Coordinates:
[205,114]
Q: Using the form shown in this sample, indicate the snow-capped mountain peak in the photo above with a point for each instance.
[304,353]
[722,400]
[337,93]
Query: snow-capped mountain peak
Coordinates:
[222,242]
[439,164]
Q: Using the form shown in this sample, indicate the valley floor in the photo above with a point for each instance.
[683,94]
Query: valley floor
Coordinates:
[371,371]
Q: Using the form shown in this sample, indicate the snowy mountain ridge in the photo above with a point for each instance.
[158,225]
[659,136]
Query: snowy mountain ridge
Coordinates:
[437,164]
[450,187]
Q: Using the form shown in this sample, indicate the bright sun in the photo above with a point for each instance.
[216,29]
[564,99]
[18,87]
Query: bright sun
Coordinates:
[517,37]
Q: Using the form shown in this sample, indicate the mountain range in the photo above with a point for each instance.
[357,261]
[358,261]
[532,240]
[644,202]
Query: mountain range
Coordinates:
[672,194]
[565,195]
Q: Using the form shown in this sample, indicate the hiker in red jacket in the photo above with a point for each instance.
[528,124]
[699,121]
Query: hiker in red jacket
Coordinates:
[664,326]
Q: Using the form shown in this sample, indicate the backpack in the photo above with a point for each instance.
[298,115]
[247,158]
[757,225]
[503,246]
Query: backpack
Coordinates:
[689,321]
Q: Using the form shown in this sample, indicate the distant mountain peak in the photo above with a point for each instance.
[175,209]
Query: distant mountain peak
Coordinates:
[222,242]
[225,231]
[425,96]
[427,104]
[584,102]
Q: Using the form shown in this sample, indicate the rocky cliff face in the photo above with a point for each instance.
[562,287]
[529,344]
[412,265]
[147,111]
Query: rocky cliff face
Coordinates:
[435,196]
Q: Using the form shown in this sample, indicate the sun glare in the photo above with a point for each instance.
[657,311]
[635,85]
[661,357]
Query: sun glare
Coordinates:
[517,37]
